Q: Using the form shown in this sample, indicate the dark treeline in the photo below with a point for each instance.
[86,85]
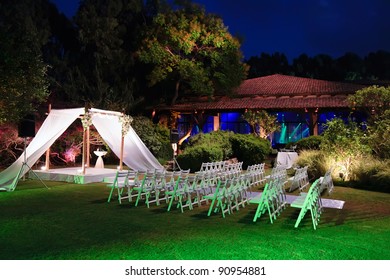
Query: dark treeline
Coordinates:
[95,58]
[349,67]
[123,55]
[90,59]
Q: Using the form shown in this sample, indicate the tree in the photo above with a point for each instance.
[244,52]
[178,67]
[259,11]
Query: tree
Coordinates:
[303,66]
[346,144]
[104,71]
[323,67]
[377,65]
[375,101]
[350,67]
[194,51]
[266,64]
[155,137]
[262,123]
[23,81]
[59,52]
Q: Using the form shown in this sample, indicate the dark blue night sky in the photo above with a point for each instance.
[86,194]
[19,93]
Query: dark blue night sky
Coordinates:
[293,27]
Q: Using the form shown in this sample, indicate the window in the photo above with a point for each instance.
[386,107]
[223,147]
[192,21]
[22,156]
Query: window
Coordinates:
[234,122]
[293,127]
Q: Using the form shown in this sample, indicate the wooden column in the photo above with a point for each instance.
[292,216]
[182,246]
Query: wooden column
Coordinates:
[84,151]
[313,122]
[216,122]
[88,148]
[121,155]
[47,160]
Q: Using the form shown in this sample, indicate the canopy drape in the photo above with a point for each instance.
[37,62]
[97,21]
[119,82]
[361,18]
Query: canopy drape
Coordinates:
[136,154]
[52,128]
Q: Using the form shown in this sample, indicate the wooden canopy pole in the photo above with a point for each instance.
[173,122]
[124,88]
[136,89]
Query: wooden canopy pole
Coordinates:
[83,161]
[121,155]
[122,147]
[88,147]
[83,157]
[47,160]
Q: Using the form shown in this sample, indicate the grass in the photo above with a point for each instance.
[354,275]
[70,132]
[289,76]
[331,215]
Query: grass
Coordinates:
[75,222]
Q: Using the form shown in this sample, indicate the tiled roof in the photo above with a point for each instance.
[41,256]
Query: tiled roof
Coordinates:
[290,85]
[278,92]
[265,103]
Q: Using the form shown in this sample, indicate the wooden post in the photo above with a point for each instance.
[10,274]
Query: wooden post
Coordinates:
[83,157]
[83,161]
[88,148]
[121,156]
[47,160]
[313,122]
[216,124]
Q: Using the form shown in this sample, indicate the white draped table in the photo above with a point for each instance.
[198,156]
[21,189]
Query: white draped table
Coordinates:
[99,161]
[286,159]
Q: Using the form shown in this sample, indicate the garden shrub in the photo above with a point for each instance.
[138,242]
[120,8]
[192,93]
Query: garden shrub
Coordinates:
[374,100]
[381,180]
[308,143]
[372,174]
[192,157]
[222,145]
[249,149]
[379,136]
[367,173]
[11,146]
[154,136]
[218,138]
[346,144]
[317,161]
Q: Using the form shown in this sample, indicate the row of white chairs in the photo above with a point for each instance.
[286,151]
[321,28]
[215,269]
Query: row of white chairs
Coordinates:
[149,184]
[256,173]
[326,182]
[278,172]
[300,180]
[310,201]
[189,190]
[230,194]
[273,199]
[221,166]
[156,186]
[227,190]
[212,166]
[233,167]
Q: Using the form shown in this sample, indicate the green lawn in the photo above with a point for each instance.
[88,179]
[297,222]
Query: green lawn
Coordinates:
[71,221]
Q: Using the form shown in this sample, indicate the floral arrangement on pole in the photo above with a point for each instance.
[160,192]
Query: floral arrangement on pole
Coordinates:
[126,121]
[86,120]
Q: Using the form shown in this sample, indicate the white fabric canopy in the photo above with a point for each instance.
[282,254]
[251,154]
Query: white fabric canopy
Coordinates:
[136,154]
[52,128]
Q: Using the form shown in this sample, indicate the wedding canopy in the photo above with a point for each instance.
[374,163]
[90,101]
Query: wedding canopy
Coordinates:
[108,124]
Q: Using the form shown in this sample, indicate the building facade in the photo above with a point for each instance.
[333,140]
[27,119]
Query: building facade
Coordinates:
[301,105]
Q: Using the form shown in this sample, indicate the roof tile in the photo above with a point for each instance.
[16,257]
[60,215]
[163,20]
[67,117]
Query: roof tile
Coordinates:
[279,92]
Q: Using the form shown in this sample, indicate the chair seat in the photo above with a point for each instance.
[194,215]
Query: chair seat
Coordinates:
[212,195]
[120,182]
[255,200]
[119,185]
[298,203]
